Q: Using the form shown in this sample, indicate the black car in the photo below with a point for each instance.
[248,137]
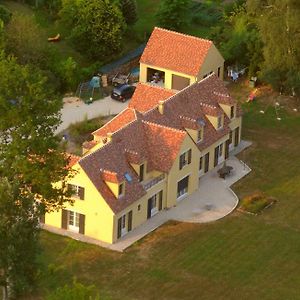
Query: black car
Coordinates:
[122,92]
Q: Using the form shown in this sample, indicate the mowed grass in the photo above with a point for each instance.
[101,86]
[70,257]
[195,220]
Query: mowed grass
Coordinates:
[238,257]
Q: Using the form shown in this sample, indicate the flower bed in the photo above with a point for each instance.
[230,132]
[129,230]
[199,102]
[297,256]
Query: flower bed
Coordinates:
[256,202]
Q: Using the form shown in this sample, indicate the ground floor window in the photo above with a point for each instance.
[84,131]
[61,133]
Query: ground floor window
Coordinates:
[182,186]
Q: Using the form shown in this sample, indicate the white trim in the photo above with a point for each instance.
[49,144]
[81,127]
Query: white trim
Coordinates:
[182,197]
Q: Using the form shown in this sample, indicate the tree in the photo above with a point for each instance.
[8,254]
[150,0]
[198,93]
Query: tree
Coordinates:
[173,14]
[31,162]
[5,14]
[23,40]
[279,27]
[129,11]
[97,26]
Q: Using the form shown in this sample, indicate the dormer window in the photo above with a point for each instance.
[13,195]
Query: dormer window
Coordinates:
[200,135]
[141,173]
[231,112]
[219,122]
[121,189]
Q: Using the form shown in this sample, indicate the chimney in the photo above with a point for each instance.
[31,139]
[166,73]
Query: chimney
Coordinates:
[109,136]
[161,107]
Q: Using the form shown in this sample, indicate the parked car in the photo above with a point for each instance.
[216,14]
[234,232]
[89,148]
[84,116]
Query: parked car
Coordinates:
[122,92]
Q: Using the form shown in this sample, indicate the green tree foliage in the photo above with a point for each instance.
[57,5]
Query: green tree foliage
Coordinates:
[96,26]
[76,291]
[5,14]
[23,40]
[279,27]
[129,11]
[239,40]
[19,242]
[31,161]
[173,14]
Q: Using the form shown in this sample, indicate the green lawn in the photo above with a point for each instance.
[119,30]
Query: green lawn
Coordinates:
[239,257]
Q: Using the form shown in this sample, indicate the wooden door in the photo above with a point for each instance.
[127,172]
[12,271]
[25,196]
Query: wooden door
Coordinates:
[227,149]
[149,208]
[216,158]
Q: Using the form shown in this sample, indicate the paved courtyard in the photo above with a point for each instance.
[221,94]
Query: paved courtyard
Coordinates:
[77,111]
[212,201]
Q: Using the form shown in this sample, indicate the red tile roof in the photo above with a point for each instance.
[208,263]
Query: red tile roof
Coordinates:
[189,55]
[146,97]
[123,118]
[154,137]
[73,159]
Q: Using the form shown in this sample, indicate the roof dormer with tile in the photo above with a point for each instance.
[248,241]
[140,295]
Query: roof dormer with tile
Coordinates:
[174,60]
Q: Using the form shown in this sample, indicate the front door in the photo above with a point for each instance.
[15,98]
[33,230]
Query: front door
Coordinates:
[236,136]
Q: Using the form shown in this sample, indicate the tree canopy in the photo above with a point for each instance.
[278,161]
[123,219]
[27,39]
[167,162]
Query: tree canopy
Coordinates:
[173,14]
[31,162]
[97,26]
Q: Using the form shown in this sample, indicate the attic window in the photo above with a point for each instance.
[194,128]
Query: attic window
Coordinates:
[231,112]
[121,189]
[200,135]
[219,122]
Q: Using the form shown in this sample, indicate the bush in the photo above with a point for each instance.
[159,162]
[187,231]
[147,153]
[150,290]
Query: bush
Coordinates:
[5,14]
[75,291]
[256,202]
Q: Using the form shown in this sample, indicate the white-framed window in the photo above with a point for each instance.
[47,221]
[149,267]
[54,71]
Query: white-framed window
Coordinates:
[185,159]
[201,163]
[200,135]
[219,122]
[73,221]
[77,191]
[182,186]
[232,112]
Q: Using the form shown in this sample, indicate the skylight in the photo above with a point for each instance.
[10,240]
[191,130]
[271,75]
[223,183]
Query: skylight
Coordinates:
[128,177]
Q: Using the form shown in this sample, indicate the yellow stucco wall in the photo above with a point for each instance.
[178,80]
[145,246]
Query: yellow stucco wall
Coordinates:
[98,215]
[168,75]
[212,62]
[176,175]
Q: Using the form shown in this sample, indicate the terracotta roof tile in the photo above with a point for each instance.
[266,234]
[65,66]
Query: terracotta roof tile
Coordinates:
[189,55]
[123,118]
[73,159]
[146,97]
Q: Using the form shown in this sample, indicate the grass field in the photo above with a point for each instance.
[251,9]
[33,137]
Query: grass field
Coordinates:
[239,257]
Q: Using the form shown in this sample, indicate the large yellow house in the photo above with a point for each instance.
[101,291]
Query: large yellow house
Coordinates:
[174,60]
[149,157]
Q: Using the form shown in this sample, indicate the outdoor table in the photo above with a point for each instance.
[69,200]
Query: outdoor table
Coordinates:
[224,171]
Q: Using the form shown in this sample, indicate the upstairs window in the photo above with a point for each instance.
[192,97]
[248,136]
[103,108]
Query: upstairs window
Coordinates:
[200,135]
[185,159]
[77,191]
[121,189]
[231,112]
[219,122]
[141,174]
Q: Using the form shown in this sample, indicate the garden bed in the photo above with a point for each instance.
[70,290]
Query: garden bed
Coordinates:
[256,203]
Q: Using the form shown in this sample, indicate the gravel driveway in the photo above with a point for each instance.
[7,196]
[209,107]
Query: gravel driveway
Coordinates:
[77,111]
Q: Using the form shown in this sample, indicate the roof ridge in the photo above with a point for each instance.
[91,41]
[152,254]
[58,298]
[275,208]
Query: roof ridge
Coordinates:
[107,171]
[187,118]
[207,105]
[183,34]
[163,126]
[126,108]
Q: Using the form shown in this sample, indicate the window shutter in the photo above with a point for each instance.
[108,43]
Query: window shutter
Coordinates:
[81,223]
[160,200]
[81,193]
[129,221]
[64,219]
[119,227]
[189,156]
[227,149]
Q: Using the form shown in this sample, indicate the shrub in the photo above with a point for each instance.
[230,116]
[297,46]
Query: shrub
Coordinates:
[256,202]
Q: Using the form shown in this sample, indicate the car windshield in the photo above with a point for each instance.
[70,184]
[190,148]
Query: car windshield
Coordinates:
[117,92]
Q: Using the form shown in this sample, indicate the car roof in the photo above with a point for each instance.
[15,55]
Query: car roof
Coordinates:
[122,87]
